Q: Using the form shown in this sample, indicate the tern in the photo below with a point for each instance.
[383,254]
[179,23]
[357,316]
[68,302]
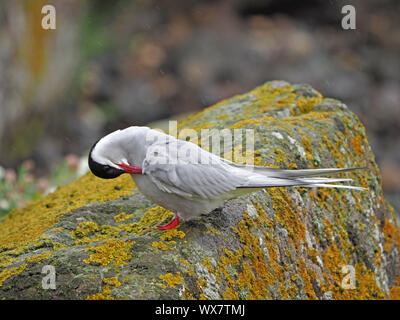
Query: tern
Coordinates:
[186,179]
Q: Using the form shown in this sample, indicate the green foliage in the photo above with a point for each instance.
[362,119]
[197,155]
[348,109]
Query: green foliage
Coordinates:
[17,188]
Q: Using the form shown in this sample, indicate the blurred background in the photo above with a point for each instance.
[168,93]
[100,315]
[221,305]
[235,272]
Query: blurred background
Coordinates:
[112,64]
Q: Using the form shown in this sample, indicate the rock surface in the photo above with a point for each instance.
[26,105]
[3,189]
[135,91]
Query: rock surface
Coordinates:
[101,236]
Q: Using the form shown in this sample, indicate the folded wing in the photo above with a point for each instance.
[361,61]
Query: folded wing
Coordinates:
[194,172]
[186,175]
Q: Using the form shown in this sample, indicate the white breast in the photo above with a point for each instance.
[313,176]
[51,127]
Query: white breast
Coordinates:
[187,208]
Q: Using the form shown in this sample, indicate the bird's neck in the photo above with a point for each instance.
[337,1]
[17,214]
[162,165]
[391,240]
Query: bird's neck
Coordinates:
[132,142]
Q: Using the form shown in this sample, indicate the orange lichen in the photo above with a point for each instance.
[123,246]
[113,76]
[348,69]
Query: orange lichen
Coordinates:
[307,144]
[395,293]
[254,274]
[395,290]
[254,284]
[333,259]
[357,145]
[231,294]
[305,275]
[390,234]
[283,206]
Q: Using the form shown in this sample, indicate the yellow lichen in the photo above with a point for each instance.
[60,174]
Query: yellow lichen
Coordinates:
[85,228]
[281,156]
[241,124]
[105,294]
[147,223]
[27,224]
[7,273]
[116,251]
[112,281]
[155,215]
[213,231]
[5,260]
[306,104]
[122,217]
[263,264]
[160,245]
[185,262]
[172,233]
[172,280]
[207,264]
[39,257]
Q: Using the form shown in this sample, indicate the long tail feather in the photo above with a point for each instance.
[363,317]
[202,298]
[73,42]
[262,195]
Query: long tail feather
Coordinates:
[261,181]
[264,177]
[301,173]
[339,186]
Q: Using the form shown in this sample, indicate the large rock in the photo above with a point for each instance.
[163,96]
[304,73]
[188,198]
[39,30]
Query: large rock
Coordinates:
[101,236]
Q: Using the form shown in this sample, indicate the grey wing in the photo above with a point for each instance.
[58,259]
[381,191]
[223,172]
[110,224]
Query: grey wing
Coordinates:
[189,177]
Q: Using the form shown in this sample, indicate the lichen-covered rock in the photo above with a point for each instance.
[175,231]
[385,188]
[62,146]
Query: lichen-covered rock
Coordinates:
[101,236]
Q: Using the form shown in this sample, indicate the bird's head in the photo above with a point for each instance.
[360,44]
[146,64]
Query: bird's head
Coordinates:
[106,158]
[101,166]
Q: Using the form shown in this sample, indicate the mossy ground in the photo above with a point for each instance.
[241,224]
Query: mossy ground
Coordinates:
[279,243]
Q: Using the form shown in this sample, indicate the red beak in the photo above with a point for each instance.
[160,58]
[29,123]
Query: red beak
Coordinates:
[130,169]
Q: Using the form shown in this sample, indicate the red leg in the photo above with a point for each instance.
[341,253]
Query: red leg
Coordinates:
[173,223]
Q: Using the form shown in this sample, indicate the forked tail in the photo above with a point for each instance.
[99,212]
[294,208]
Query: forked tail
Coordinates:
[264,177]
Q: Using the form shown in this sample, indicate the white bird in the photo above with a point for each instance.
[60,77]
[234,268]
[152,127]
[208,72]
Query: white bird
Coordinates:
[186,179]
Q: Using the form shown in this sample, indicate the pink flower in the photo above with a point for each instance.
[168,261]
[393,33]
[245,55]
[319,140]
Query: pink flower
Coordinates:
[72,162]
[10,175]
[43,185]
[28,178]
[28,165]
